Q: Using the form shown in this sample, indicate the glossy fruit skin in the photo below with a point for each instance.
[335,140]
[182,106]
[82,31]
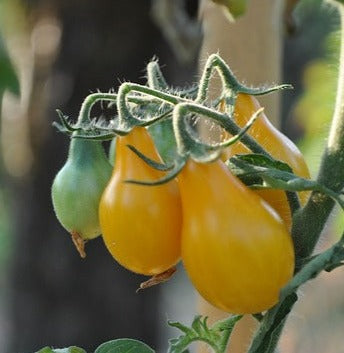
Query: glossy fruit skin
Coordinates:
[235,248]
[141,225]
[277,144]
[78,186]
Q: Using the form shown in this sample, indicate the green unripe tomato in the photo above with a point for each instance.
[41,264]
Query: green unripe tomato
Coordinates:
[112,151]
[77,189]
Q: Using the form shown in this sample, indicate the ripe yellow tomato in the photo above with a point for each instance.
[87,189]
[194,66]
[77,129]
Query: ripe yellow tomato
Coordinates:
[274,142]
[235,248]
[141,225]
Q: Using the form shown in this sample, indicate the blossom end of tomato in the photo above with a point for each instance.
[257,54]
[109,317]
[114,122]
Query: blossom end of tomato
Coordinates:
[79,243]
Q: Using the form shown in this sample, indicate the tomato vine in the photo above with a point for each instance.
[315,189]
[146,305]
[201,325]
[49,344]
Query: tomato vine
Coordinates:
[160,108]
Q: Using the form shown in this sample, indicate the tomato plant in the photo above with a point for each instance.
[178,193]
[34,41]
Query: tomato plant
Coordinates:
[140,225]
[237,250]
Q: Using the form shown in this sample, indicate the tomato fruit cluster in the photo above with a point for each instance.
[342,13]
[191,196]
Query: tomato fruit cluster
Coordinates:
[234,243]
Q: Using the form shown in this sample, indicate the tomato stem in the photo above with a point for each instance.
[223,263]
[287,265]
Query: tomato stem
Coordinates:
[90,101]
[310,222]
[155,78]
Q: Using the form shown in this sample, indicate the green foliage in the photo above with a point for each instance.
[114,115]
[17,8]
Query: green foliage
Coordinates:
[72,349]
[8,77]
[320,80]
[124,345]
[121,345]
[262,172]
[216,336]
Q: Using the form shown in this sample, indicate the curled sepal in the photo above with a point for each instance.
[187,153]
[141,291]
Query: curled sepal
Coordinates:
[154,164]
[262,172]
[210,152]
[259,91]
[189,144]
[229,81]
[171,174]
[64,125]
[89,129]
[216,337]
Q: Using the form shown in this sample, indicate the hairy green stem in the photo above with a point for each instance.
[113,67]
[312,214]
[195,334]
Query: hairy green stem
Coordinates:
[88,103]
[222,119]
[229,81]
[125,117]
[310,221]
[155,78]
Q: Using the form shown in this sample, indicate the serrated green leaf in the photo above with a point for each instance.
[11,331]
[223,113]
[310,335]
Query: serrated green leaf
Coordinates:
[124,345]
[72,349]
[216,336]
[260,160]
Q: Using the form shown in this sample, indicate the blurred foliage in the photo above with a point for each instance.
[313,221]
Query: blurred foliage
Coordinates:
[8,81]
[236,8]
[8,77]
[315,107]
[4,230]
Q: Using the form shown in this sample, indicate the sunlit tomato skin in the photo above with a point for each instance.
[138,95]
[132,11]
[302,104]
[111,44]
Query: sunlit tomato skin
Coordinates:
[141,225]
[235,248]
[274,142]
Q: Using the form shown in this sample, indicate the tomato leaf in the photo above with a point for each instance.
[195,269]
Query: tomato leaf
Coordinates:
[72,349]
[216,336]
[262,172]
[124,345]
